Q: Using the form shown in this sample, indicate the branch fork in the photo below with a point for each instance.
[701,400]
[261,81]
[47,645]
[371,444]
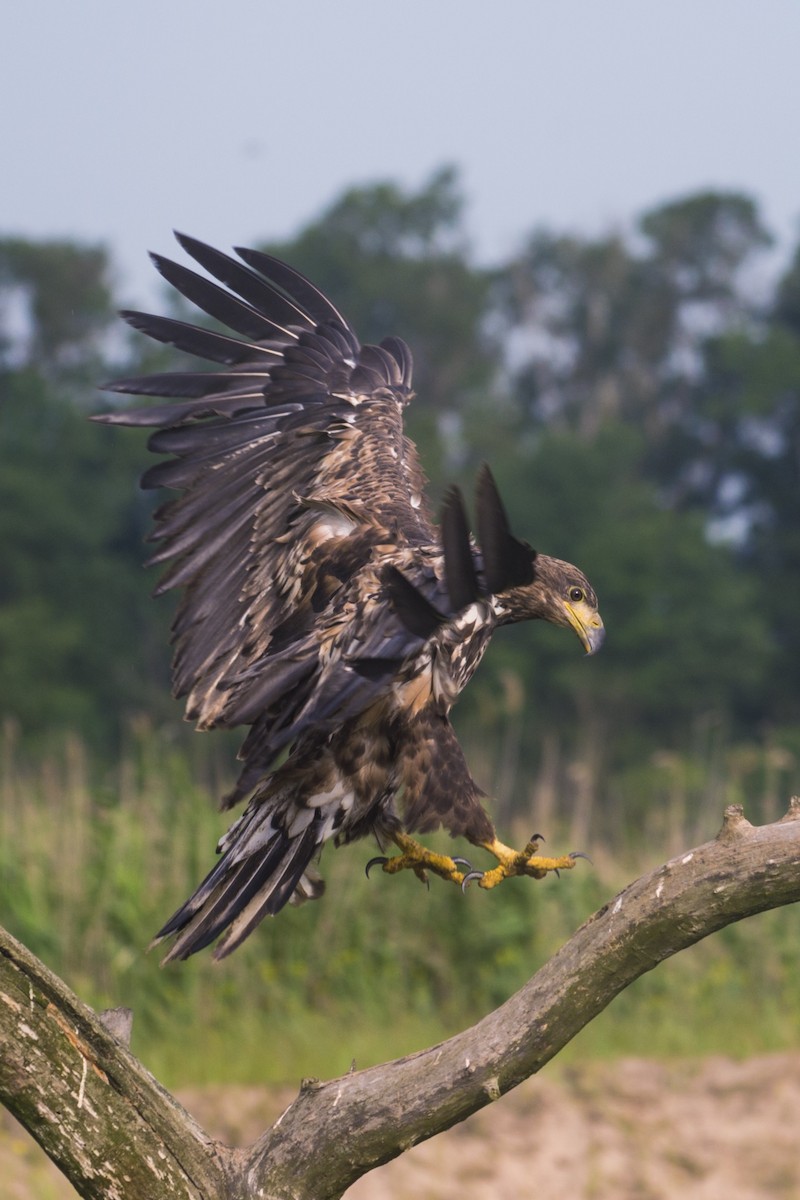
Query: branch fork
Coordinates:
[115,1132]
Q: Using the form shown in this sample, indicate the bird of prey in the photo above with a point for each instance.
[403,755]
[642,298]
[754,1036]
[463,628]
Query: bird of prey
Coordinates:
[321,606]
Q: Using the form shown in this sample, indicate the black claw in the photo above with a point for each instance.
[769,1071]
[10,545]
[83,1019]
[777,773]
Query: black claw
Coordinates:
[373,862]
[468,879]
[579,854]
[557,872]
[537,837]
[463,862]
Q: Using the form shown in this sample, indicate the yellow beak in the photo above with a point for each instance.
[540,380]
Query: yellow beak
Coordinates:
[587,623]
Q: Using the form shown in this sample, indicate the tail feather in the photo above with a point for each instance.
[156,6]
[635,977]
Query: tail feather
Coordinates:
[258,874]
[235,889]
[270,900]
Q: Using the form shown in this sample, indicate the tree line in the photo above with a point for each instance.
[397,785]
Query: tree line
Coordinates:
[637,394]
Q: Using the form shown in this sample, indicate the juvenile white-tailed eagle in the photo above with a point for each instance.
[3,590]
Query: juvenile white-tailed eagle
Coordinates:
[321,606]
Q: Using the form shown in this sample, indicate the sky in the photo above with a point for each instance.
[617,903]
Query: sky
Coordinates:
[241,121]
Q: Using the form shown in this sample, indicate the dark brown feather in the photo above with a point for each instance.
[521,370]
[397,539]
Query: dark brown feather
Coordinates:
[320,606]
[214,300]
[303,292]
[416,612]
[507,561]
[254,289]
[462,580]
[438,788]
[204,343]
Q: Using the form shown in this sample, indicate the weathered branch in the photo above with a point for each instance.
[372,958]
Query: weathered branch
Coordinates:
[101,1117]
[116,1133]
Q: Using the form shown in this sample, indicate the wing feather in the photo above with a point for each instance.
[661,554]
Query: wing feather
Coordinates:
[462,581]
[205,343]
[194,384]
[254,289]
[306,295]
[507,561]
[295,479]
[168,415]
[226,308]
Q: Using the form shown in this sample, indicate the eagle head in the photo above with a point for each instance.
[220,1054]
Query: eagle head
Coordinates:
[561,594]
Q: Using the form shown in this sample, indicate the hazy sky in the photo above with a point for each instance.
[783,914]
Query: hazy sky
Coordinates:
[241,119]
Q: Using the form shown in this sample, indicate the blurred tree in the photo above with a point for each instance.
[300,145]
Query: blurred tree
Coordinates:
[592,328]
[746,460]
[55,306]
[605,358]
[732,450]
[701,242]
[786,311]
[627,393]
[77,635]
[687,634]
[80,646]
[606,330]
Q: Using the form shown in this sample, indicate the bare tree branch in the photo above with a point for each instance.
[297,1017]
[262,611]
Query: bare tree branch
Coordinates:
[103,1120]
[116,1133]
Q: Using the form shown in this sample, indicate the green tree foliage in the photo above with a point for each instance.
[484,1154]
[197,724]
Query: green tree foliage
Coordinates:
[701,242]
[786,311]
[79,644]
[640,412]
[686,638]
[612,329]
[608,350]
[55,298]
[747,450]
[592,327]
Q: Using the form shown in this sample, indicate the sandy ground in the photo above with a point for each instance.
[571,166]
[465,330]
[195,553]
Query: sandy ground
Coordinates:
[713,1129]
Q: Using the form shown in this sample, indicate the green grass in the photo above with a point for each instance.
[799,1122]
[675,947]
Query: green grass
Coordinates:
[92,862]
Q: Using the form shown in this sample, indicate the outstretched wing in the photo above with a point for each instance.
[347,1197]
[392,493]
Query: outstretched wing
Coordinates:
[294,470]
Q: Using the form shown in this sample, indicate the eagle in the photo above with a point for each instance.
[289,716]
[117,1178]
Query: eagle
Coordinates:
[321,607]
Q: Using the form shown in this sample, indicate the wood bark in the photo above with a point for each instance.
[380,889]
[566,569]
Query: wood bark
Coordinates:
[116,1134]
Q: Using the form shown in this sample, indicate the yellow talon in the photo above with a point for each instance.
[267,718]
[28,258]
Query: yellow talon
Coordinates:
[417,858]
[522,862]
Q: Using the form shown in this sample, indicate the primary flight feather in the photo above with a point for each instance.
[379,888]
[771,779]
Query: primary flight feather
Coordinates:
[321,605]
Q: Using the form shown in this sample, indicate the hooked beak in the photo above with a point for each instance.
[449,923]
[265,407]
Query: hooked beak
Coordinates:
[587,623]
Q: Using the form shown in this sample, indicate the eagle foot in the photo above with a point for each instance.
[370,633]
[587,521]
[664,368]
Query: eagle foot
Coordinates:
[417,858]
[521,862]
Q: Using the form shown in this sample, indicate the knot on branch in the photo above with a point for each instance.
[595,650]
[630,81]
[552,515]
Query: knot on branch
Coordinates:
[735,825]
[793,811]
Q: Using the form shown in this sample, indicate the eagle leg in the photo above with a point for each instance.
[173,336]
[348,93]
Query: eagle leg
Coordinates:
[414,856]
[521,862]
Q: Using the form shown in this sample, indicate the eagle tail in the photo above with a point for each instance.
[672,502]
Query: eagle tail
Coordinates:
[263,867]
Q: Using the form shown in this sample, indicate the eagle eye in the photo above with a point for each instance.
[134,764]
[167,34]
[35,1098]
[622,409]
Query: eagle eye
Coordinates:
[576,595]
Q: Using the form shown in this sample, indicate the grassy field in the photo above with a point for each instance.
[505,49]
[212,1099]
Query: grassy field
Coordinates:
[93,860]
